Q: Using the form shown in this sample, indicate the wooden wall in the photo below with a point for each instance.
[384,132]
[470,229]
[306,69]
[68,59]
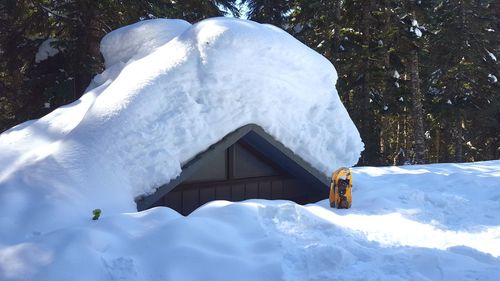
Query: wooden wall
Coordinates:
[238,174]
[187,197]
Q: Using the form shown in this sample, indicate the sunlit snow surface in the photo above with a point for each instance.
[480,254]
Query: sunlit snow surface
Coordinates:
[429,222]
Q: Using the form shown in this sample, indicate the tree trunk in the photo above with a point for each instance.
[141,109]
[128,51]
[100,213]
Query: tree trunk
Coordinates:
[89,35]
[369,125]
[398,145]
[437,143]
[417,111]
[382,145]
[459,136]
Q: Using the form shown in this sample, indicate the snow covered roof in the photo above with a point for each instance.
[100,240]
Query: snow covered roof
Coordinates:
[169,91]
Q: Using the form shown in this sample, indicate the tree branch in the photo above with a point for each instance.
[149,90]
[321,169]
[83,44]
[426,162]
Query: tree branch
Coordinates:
[53,13]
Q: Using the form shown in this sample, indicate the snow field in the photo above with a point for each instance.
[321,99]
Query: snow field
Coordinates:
[399,228]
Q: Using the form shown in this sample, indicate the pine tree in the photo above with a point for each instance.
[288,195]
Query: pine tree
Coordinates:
[363,67]
[353,36]
[409,43]
[274,12]
[20,25]
[464,82]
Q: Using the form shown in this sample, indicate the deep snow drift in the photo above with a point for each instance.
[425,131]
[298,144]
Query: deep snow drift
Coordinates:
[169,91]
[429,222]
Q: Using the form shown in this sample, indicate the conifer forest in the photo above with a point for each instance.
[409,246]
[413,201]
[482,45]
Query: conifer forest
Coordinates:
[418,78]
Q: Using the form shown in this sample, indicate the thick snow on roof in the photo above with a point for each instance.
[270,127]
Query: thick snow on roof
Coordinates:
[169,91]
[139,39]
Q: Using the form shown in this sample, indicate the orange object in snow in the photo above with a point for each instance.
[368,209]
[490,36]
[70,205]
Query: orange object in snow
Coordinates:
[341,189]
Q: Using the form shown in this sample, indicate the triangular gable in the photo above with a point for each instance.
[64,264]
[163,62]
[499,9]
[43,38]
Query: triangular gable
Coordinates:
[256,139]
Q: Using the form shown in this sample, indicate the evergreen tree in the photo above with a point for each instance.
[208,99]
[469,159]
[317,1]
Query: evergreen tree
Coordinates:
[274,12]
[465,90]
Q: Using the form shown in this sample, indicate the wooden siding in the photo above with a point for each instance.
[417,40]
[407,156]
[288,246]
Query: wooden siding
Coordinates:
[185,198]
[237,173]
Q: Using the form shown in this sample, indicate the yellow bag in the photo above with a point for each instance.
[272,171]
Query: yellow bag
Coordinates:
[341,189]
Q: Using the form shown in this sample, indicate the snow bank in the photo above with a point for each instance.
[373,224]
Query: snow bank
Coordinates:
[428,222]
[169,91]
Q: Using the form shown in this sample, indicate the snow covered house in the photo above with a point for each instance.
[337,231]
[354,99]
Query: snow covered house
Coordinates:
[246,164]
[182,114]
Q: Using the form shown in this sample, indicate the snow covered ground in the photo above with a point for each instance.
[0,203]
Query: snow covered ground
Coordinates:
[428,222]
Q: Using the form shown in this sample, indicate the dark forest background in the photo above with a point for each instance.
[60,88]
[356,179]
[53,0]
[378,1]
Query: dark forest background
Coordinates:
[419,78]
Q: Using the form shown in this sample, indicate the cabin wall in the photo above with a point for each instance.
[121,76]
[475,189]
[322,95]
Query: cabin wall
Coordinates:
[238,173]
[187,197]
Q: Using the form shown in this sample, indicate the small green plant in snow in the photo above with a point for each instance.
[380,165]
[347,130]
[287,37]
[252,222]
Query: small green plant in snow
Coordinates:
[96,213]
